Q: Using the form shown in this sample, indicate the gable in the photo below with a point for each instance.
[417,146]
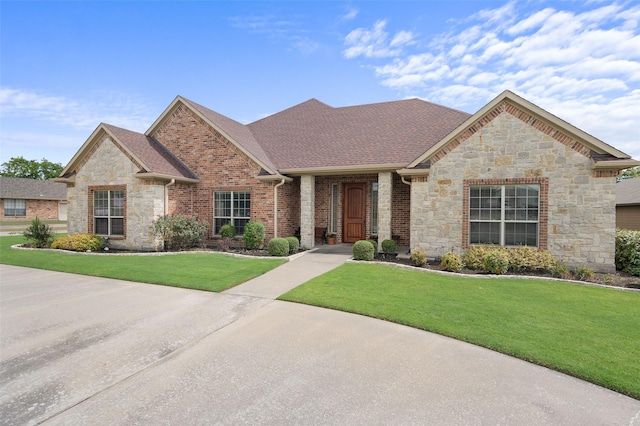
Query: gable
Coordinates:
[604,156]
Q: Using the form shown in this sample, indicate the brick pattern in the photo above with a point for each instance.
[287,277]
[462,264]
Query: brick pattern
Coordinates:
[43,209]
[220,166]
[543,207]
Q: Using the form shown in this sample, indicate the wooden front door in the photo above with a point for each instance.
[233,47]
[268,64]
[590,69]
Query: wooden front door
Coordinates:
[353,228]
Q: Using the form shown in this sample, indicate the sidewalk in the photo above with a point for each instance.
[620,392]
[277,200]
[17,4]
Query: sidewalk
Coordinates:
[283,278]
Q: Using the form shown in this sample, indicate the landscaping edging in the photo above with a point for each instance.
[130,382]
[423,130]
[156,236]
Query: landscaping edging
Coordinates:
[456,274]
[166,253]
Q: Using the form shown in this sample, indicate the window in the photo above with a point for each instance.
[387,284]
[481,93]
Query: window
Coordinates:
[507,215]
[334,208]
[15,207]
[108,212]
[232,207]
[374,208]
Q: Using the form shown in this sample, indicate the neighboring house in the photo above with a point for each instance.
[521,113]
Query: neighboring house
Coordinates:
[28,198]
[628,204]
[423,174]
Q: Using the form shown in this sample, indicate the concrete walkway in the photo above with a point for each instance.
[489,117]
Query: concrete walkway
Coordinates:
[85,350]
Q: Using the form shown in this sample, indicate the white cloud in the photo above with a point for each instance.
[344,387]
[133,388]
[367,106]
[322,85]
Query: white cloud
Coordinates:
[579,61]
[113,108]
[374,43]
[351,14]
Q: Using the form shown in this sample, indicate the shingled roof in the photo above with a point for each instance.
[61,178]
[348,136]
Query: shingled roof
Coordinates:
[628,192]
[32,189]
[154,156]
[315,135]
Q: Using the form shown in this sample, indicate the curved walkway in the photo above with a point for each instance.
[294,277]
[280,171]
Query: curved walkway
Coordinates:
[85,350]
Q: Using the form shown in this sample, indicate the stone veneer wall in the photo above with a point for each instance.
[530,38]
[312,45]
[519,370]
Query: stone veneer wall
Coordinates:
[581,207]
[109,166]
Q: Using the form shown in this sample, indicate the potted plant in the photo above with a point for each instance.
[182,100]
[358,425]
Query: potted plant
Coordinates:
[331,239]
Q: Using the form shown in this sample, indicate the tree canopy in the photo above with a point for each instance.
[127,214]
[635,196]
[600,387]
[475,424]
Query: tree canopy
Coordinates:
[633,172]
[30,169]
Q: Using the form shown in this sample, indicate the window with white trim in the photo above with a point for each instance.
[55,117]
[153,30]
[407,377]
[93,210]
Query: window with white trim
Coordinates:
[507,215]
[15,208]
[108,212]
[232,207]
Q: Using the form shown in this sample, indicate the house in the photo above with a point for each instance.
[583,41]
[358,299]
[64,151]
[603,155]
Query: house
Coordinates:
[628,204]
[423,174]
[27,198]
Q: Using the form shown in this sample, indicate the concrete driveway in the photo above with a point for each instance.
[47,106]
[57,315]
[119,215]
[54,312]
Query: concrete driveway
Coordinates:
[82,350]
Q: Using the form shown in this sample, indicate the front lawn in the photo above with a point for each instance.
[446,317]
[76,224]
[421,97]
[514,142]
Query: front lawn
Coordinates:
[202,271]
[588,332]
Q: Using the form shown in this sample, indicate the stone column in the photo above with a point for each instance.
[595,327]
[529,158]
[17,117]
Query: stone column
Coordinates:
[384,207]
[307,210]
[419,212]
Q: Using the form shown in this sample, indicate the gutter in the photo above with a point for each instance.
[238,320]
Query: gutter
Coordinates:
[275,207]
[166,196]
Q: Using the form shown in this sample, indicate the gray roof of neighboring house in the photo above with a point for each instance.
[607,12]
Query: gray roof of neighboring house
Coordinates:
[152,153]
[628,192]
[32,189]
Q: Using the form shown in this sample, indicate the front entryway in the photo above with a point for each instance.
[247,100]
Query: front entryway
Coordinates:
[354,212]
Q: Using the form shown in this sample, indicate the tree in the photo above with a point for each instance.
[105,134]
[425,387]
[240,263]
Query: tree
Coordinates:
[633,172]
[30,169]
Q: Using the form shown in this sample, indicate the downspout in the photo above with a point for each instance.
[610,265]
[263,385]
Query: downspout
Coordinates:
[275,208]
[404,181]
[166,196]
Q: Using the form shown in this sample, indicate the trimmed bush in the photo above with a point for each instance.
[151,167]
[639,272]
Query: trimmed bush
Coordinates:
[389,246]
[38,234]
[179,232]
[419,257]
[451,262]
[375,246]
[294,244]
[254,235]
[628,251]
[473,257]
[530,259]
[79,242]
[363,250]
[561,271]
[227,231]
[496,262]
[278,247]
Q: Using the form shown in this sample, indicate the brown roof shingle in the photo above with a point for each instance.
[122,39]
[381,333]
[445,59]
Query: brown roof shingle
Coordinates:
[313,134]
[152,153]
[628,192]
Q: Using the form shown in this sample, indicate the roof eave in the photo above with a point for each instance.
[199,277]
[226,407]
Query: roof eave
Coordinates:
[347,170]
[621,164]
[161,176]
[273,178]
[413,172]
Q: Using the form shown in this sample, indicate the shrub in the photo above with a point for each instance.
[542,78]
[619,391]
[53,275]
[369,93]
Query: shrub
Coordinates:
[79,242]
[530,259]
[294,244]
[583,273]
[419,257]
[278,247]
[451,262]
[560,270]
[227,231]
[363,250]
[496,262]
[178,231]
[254,235]
[39,234]
[389,246]
[628,251]
[473,257]
[375,246]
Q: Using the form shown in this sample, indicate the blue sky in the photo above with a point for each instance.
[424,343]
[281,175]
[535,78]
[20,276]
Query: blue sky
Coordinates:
[67,66]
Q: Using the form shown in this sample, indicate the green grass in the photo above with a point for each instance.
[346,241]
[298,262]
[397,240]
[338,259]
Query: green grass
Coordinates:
[205,271]
[589,332]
